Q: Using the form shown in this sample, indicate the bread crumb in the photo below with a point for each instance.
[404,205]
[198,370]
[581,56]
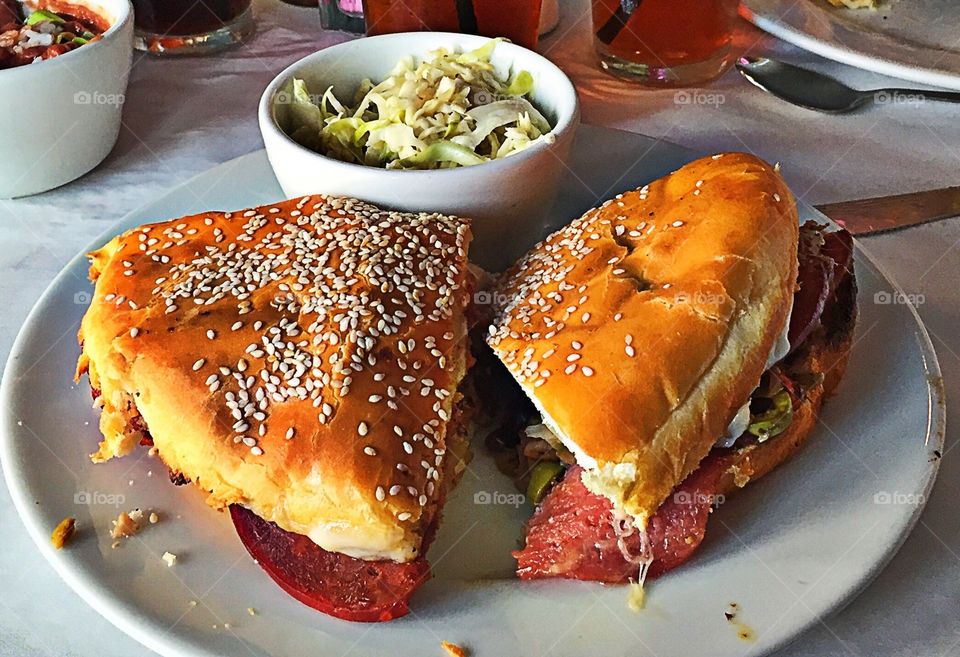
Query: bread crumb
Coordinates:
[251,611]
[227,626]
[63,532]
[192,603]
[125,526]
[169,559]
[154,518]
[453,649]
[153,451]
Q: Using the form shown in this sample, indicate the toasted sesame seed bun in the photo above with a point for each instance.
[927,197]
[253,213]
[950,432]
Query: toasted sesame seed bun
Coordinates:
[641,328]
[300,359]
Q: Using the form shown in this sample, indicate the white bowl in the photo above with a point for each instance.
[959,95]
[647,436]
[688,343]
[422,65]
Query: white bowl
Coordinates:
[61,117]
[506,199]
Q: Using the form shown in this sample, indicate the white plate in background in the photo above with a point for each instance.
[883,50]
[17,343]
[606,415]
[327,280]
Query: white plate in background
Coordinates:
[915,40]
[788,550]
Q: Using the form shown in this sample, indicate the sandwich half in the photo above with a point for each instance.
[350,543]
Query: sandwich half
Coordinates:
[669,358]
[300,363]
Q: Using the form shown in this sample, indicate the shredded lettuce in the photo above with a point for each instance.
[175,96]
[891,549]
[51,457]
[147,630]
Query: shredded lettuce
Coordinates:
[449,110]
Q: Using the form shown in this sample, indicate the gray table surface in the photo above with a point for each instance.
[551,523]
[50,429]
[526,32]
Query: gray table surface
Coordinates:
[185,116]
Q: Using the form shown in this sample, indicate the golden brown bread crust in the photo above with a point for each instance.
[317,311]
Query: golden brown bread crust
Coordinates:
[300,359]
[631,326]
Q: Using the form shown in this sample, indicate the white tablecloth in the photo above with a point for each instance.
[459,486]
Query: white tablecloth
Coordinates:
[187,115]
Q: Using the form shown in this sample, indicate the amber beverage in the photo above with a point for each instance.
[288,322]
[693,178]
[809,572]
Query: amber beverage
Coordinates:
[188,26]
[517,20]
[665,42]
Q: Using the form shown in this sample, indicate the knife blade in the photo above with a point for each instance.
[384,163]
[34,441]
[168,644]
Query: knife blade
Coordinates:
[871,216]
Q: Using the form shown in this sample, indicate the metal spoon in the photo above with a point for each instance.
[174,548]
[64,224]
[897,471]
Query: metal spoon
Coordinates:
[819,92]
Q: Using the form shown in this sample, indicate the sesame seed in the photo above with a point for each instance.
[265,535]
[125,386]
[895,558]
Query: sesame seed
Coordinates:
[198,364]
[369,451]
[290,433]
[587,371]
[381,495]
[134,332]
[677,224]
[362,429]
[211,334]
[256,451]
[570,368]
[630,351]
[403,516]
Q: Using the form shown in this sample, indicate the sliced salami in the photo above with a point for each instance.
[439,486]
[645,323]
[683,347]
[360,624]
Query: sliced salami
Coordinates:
[574,534]
[334,583]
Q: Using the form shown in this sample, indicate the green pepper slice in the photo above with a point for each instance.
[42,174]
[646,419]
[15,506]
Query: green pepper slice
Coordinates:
[542,478]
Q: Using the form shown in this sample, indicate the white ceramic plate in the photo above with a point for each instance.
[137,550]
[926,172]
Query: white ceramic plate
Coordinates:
[915,40]
[788,550]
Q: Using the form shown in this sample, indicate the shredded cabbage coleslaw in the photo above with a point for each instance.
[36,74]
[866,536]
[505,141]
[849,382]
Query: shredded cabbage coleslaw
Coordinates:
[449,110]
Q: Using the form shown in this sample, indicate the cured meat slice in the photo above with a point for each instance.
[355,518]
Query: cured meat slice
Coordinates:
[334,583]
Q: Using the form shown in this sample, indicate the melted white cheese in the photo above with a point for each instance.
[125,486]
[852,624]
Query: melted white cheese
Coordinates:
[781,346]
[737,426]
[740,422]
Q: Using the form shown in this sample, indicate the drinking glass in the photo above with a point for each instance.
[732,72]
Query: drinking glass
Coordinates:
[189,27]
[665,42]
[346,15]
[517,20]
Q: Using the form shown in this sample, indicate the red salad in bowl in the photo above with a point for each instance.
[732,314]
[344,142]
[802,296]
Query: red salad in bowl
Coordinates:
[30,35]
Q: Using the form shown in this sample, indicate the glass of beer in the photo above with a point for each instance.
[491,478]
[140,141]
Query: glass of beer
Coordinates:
[665,42]
[188,27]
[517,20]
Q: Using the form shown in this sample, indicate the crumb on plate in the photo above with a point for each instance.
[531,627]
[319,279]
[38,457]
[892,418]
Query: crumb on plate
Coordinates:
[453,649]
[63,532]
[126,524]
